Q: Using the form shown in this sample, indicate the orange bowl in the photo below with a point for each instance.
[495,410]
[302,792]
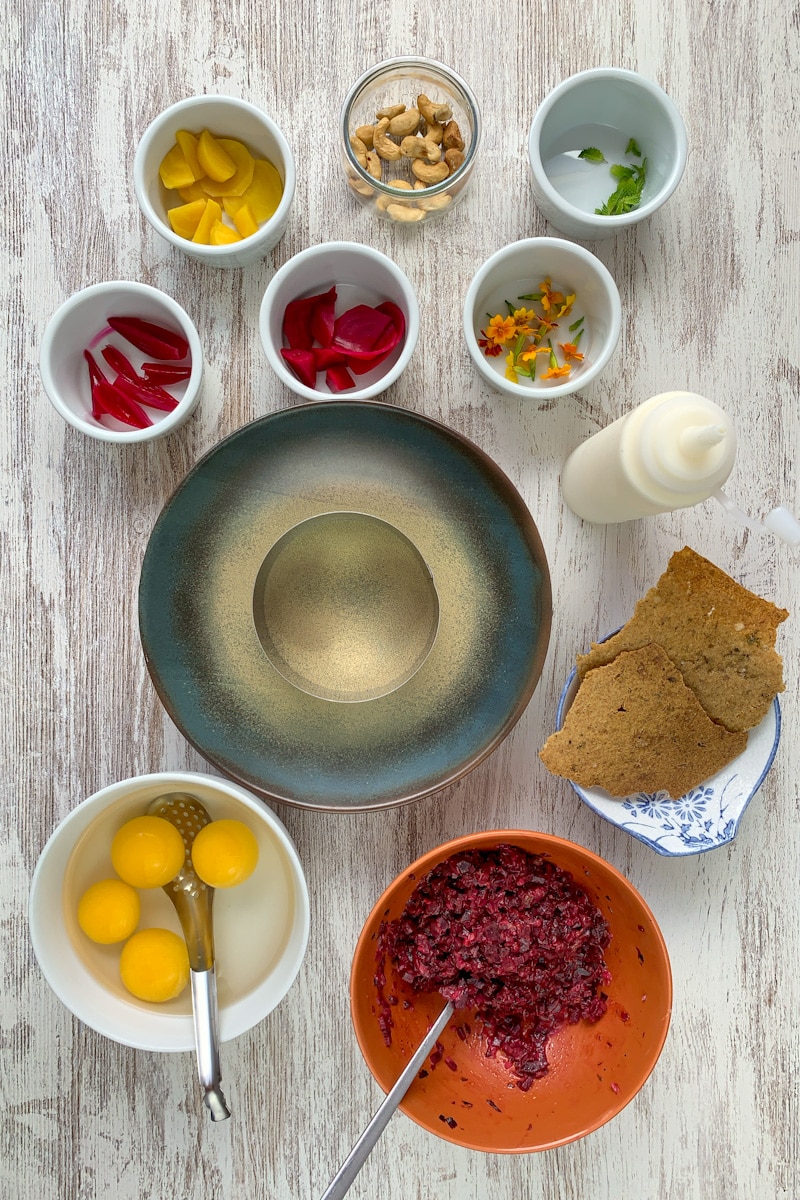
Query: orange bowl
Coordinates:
[594,1069]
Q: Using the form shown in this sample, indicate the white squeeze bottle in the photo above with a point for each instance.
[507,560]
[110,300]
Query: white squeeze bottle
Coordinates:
[674,450]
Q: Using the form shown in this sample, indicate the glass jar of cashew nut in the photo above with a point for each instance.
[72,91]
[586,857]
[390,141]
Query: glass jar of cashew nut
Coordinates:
[410,131]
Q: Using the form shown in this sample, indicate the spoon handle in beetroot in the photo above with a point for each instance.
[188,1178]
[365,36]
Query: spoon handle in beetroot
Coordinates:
[342,1180]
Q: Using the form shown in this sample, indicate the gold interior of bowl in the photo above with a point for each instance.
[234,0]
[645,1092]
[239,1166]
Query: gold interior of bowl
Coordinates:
[345,607]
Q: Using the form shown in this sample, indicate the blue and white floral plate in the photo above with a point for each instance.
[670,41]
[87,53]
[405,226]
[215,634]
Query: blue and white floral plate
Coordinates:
[703,819]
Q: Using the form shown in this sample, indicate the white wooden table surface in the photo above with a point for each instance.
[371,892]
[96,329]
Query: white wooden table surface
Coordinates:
[709,290]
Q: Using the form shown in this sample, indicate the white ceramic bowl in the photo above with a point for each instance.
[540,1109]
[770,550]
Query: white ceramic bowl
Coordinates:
[362,276]
[72,329]
[708,816]
[223,116]
[260,927]
[517,270]
[603,108]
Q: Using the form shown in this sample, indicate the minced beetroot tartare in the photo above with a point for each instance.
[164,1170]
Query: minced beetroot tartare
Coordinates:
[508,936]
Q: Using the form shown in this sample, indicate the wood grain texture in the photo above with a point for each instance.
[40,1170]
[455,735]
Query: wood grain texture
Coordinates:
[709,292]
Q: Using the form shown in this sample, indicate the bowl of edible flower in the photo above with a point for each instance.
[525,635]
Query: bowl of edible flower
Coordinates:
[559,978]
[542,318]
[215,176]
[108,939]
[121,362]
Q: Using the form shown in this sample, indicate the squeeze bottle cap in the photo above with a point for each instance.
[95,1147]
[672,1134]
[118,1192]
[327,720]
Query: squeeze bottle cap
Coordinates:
[688,445]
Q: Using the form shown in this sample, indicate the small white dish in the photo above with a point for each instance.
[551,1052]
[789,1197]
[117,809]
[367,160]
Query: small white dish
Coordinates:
[260,927]
[706,817]
[516,271]
[603,108]
[223,116]
[74,327]
[361,276]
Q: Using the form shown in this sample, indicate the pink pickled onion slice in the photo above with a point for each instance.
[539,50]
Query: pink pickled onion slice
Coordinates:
[301,362]
[339,379]
[358,329]
[322,317]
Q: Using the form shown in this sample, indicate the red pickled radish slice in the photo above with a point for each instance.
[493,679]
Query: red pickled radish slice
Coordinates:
[120,407]
[150,338]
[118,362]
[165,373]
[151,395]
[358,329]
[301,362]
[339,379]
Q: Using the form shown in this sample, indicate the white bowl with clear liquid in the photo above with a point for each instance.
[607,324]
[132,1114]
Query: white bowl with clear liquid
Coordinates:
[604,109]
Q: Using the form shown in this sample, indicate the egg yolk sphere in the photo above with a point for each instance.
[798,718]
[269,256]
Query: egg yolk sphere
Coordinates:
[147,852]
[224,853]
[108,911]
[154,965]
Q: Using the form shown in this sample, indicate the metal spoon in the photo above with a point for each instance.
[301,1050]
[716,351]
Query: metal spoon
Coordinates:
[340,1185]
[193,900]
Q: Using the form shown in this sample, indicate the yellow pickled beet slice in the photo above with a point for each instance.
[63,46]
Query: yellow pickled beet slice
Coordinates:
[244,221]
[264,194]
[195,191]
[213,158]
[188,144]
[223,235]
[243,175]
[212,213]
[185,218]
[175,171]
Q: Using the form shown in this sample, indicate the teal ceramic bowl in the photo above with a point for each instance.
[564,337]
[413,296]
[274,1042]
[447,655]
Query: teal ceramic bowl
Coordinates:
[332,680]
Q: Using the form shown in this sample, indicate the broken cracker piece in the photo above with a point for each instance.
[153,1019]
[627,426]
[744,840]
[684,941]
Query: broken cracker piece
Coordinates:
[634,726]
[720,635]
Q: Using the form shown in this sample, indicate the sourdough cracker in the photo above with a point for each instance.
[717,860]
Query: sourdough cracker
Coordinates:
[634,726]
[720,635]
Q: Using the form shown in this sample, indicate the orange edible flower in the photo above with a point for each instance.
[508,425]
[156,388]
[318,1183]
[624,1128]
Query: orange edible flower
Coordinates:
[571,351]
[556,372]
[549,297]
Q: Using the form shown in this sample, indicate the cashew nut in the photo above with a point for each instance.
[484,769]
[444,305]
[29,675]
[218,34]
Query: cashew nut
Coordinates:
[373,164]
[434,132]
[365,132]
[398,212]
[430,173]
[383,202]
[359,186]
[405,123]
[434,114]
[454,158]
[432,203]
[360,151]
[384,145]
[452,139]
[419,147]
[391,110]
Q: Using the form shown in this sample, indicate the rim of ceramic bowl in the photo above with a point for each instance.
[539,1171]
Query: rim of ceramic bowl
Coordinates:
[555,197]
[159,428]
[358,250]
[213,253]
[548,844]
[586,376]
[411,62]
[48,928]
